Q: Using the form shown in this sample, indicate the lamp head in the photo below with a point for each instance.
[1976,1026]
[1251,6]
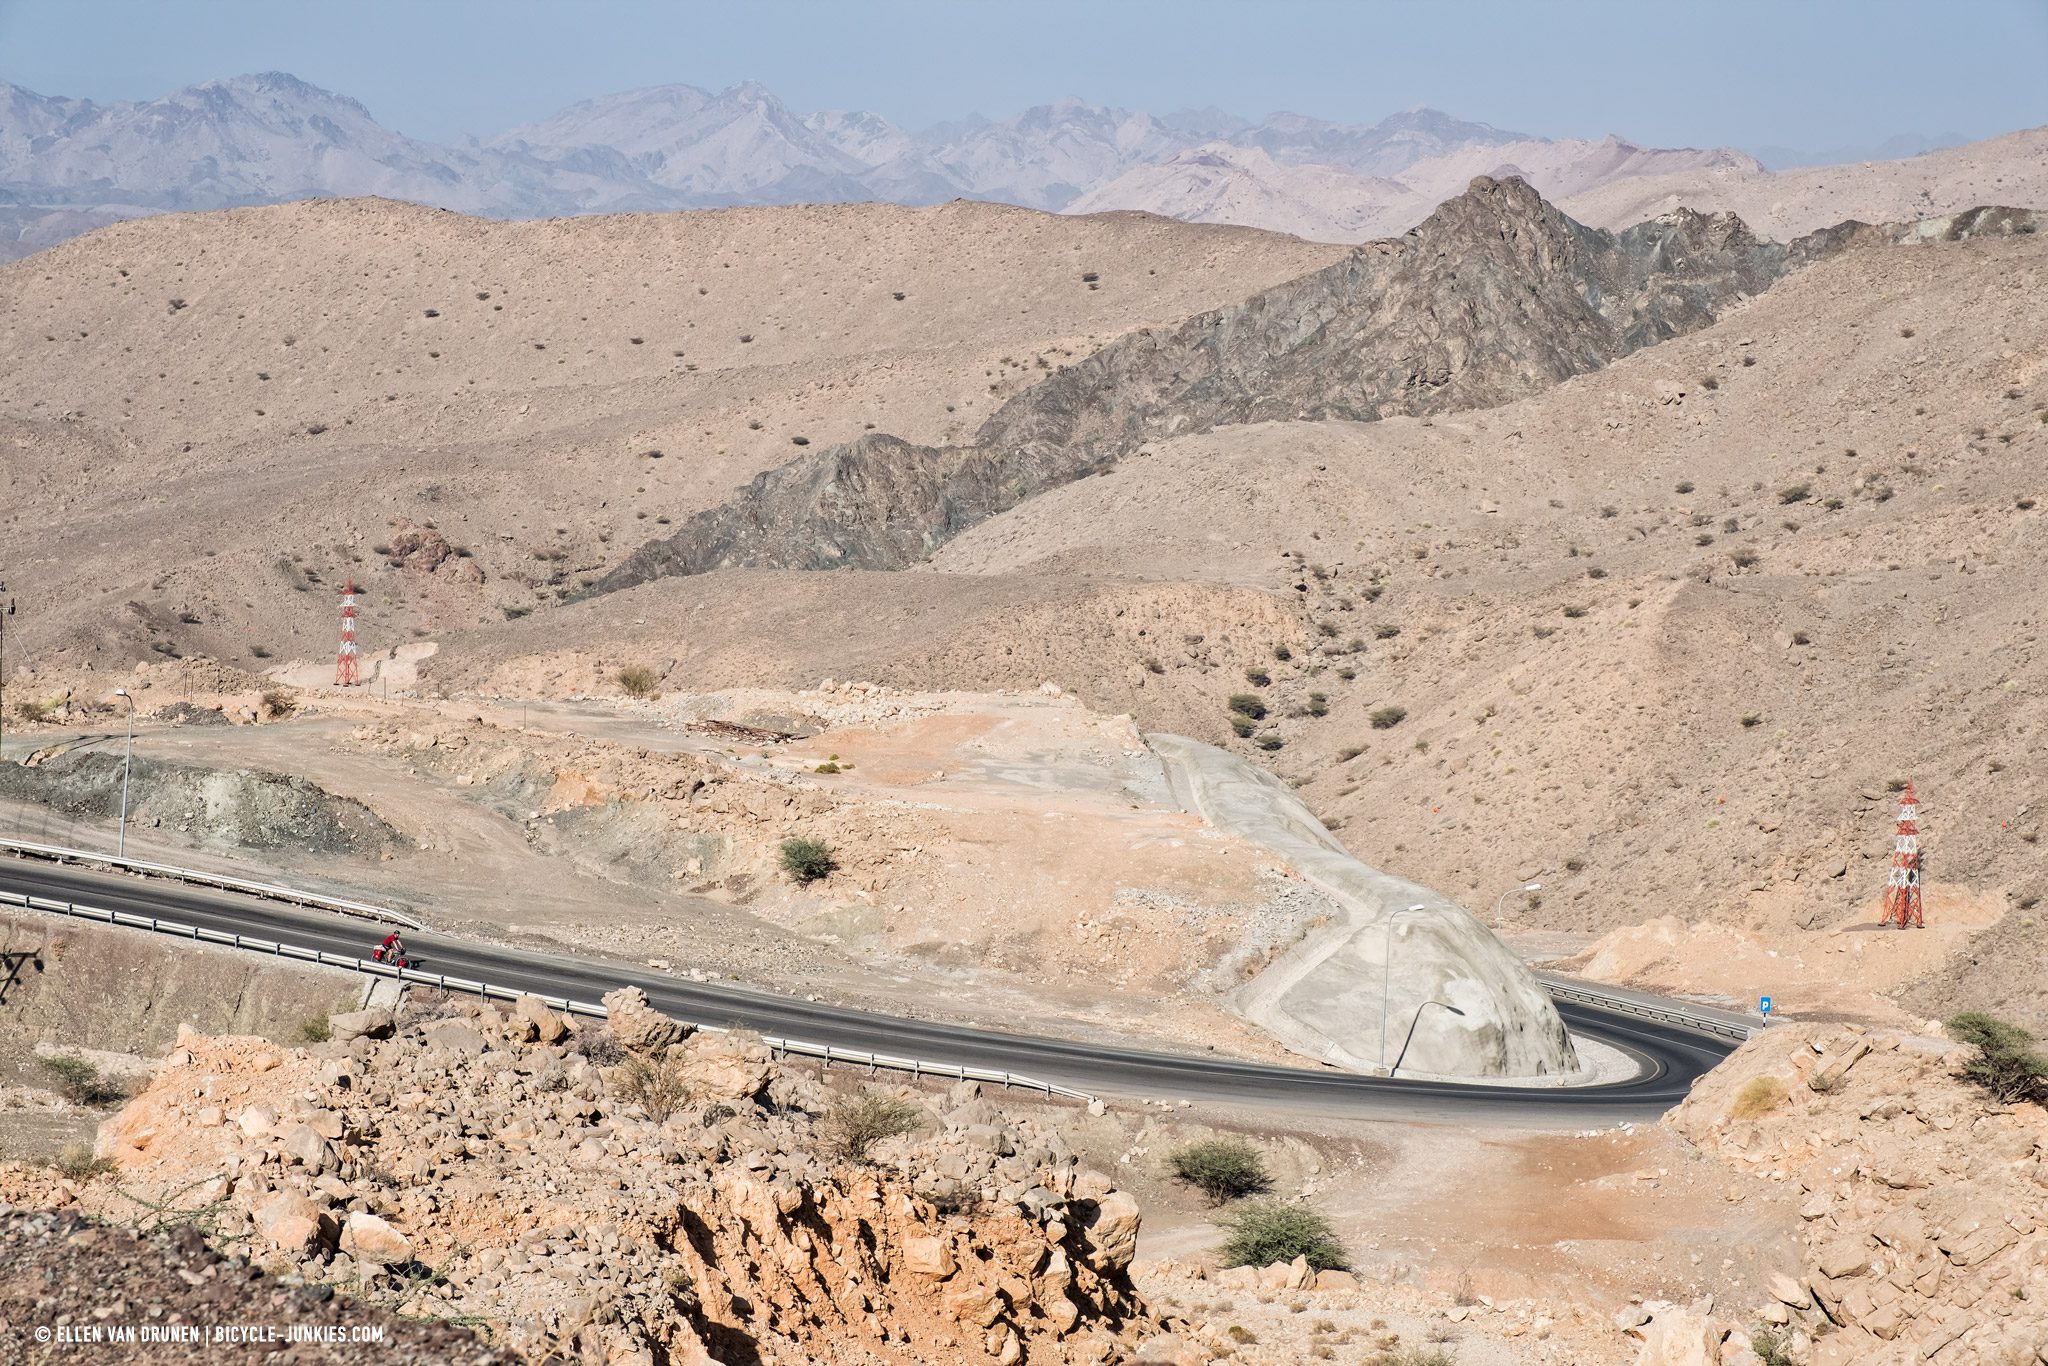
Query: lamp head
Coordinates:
[1533,887]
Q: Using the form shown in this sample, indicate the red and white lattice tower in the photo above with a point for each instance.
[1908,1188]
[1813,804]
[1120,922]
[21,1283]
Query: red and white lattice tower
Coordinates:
[345,658]
[1902,887]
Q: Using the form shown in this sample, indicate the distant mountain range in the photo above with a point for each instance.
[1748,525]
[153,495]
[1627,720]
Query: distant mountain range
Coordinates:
[67,165]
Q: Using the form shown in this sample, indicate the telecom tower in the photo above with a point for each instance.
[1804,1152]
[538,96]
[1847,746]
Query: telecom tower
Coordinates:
[1902,887]
[345,658]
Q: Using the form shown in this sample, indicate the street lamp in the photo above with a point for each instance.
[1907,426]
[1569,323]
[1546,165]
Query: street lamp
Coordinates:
[121,839]
[1411,1029]
[1387,979]
[1531,887]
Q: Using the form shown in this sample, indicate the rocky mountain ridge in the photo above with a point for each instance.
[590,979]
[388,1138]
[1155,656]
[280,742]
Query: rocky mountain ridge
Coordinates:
[1496,296]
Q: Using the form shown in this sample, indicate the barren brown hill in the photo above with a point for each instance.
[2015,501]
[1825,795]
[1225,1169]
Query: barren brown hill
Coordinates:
[199,409]
[1665,635]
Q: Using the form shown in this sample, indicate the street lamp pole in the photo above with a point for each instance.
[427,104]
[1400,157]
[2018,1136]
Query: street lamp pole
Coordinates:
[1432,1001]
[1503,901]
[127,761]
[1387,980]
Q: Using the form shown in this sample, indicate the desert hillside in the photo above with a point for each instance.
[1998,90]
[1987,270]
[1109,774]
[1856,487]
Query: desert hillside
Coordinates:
[203,413]
[1654,597]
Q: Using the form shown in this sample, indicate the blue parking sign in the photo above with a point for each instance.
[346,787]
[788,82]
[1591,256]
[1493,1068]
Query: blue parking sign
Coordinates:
[1763,1005]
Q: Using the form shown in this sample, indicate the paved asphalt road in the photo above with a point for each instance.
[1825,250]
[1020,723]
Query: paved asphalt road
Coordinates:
[1670,1058]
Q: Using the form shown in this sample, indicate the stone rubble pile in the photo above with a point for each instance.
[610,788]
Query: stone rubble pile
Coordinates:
[517,1168]
[1925,1206]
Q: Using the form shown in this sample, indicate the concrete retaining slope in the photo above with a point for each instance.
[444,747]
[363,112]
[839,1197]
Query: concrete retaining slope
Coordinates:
[1323,996]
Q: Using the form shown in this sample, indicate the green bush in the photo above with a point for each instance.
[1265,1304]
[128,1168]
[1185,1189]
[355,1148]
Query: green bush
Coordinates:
[2006,1064]
[1243,725]
[80,1082]
[315,1028]
[1248,704]
[1267,1231]
[1221,1168]
[807,860]
[855,1123]
[1386,718]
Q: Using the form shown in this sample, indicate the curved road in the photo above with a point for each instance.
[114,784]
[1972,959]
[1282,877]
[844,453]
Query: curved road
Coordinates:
[1670,1059]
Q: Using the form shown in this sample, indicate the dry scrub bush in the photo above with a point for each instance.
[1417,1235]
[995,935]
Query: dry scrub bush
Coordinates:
[857,1122]
[655,1083]
[1758,1096]
[637,679]
[80,1081]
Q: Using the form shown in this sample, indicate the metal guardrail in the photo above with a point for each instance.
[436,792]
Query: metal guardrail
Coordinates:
[803,1048]
[1642,1010]
[204,879]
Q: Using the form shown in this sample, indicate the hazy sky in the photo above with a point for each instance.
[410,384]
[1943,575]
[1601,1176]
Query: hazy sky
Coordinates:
[1752,73]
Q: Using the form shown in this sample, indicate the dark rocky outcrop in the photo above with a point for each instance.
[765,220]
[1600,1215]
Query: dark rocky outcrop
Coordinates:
[1496,296]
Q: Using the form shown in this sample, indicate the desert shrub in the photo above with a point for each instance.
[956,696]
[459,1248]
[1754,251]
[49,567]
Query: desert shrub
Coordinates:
[1411,1356]
[31,709]
[259,652]
[315,1029]
[1795,493]
[1575,611]
[1386,630]
[1386,718]
[655,1083]
[1758,1096]
[1318,704]
[1743,559]
[1347,673]
[1751,720]
[637,679]
[1748,361]
[1242,724]
[78,1163]
[1152,665]
[1248,704]
[807,860]
[1269,742]
[856,1123]
[1610,511]
[1221,1168]
[827,767]
[1282,653]
[1684,486]
[1773,1346]
[1257,677]
[1267,1231]
[2006,1063]
[80,1081]
[279,703]
[1709,383]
